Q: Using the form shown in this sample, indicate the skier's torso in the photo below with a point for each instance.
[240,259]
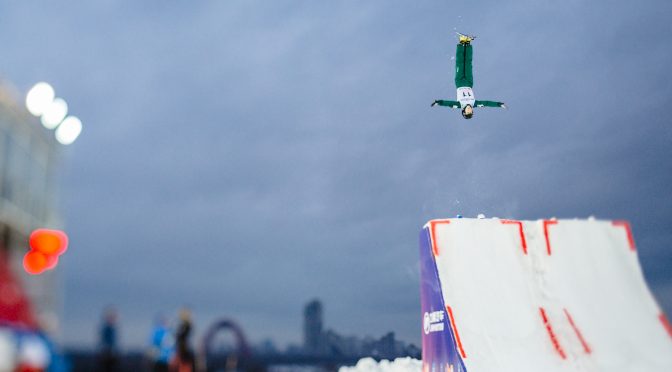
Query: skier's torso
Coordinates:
[465,95]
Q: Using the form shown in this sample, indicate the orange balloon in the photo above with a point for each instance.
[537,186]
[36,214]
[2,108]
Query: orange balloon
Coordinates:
[49,242]
[52,261]
[34,262]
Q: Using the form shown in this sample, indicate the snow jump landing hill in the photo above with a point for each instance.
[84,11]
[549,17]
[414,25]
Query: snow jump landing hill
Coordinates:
[565,295]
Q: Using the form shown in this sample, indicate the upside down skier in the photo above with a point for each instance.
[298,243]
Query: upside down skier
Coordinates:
[464,82]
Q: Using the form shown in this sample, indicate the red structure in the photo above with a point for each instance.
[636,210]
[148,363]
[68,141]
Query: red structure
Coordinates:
[15,307]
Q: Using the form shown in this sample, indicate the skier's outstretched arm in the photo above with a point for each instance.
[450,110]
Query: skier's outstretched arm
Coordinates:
[440,102]
[489,104]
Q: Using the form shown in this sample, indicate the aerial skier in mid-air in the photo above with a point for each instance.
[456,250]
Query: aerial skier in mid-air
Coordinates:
[464,81]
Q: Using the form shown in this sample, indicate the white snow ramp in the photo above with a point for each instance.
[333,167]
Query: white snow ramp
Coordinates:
[565,295]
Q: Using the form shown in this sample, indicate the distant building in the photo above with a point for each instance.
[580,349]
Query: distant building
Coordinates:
[265,347]
[387,346]
[337,345]
[28,155]
[329,343]
[312,328]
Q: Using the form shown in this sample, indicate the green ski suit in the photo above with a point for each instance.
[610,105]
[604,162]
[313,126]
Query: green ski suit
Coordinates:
[464,81]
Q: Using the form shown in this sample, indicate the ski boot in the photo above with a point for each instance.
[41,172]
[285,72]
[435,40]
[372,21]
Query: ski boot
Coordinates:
[465,39]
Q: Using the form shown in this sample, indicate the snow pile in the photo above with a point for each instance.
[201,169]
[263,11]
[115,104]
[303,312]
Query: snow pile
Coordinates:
[398,365]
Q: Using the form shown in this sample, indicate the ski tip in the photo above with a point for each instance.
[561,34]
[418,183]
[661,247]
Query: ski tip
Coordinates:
[472,37]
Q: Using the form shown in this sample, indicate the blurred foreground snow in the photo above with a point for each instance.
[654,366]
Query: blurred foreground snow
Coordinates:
[398,365]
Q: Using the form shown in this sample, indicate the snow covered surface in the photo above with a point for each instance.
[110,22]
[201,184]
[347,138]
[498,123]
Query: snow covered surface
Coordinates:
[398,365]
[566,295]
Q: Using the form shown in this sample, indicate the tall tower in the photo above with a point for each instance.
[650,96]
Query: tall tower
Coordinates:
[312,327]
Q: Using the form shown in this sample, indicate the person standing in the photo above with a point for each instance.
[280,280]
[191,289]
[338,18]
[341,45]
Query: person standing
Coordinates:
[109,353]
[184,360]
[161,345]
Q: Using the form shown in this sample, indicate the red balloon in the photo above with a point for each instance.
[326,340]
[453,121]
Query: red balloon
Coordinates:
[49,242]
[34,262]
[52,261]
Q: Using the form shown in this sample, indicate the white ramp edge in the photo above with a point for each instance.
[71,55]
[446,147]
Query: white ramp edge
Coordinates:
[547,295]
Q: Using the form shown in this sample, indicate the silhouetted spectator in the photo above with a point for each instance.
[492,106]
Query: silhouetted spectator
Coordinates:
[109,358]
[184,360]
[161,345]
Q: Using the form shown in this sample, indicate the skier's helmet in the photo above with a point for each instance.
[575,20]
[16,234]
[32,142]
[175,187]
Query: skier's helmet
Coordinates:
[468,112]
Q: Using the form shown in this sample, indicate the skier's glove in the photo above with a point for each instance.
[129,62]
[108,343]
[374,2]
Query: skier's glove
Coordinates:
[434,103]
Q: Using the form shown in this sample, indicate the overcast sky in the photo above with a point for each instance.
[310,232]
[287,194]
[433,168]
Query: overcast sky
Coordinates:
[245,157]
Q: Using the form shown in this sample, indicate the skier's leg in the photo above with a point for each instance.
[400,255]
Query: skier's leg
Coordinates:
[463,71]
[459,65]
[468,69]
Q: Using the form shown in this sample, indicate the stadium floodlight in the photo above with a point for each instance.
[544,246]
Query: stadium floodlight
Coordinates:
[39,97]
[69,130]
[54,113]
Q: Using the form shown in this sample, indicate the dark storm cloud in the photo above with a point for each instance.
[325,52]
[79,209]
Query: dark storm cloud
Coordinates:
[244,158]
